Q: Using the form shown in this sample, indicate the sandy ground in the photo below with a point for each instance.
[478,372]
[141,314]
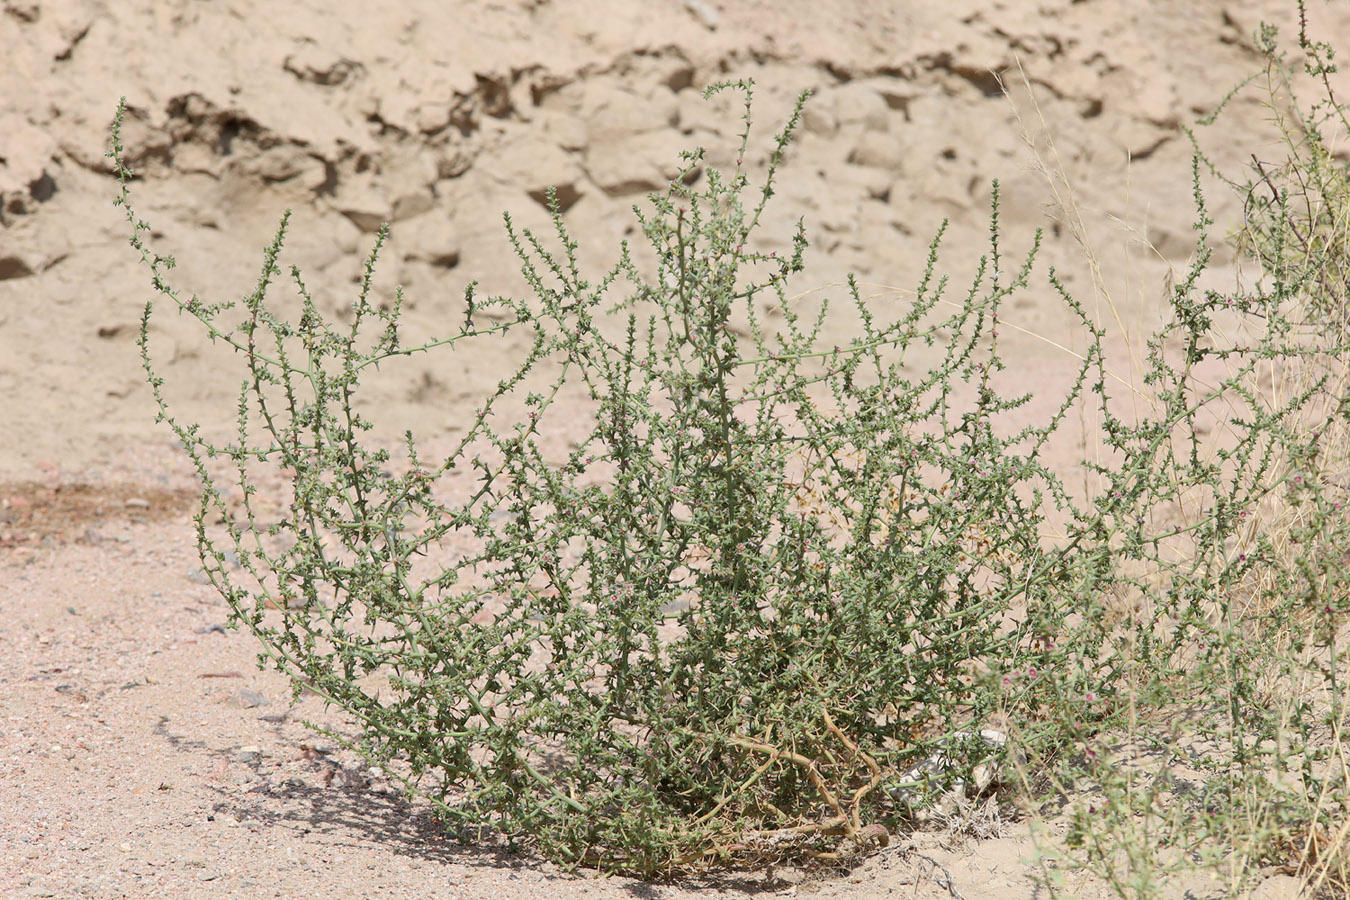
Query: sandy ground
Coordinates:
[142,753]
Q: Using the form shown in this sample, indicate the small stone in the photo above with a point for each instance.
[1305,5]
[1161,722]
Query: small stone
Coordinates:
[248,754]
[247,700]
[703,12]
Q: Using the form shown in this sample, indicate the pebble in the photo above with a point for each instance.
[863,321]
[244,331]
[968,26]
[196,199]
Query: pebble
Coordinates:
[704,12]
[247,700]
[248,754]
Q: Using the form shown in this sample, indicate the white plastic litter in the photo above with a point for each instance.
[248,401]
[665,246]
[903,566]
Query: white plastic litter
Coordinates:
[916,789]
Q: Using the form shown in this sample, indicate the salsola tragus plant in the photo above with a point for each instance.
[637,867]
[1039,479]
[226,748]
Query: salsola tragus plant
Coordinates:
[1250,777]
[772,579]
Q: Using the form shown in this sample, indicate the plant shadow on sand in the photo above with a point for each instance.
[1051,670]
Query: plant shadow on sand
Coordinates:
[347,813]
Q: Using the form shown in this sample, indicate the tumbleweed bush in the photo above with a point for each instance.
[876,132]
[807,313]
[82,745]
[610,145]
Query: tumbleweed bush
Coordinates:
[773,579]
